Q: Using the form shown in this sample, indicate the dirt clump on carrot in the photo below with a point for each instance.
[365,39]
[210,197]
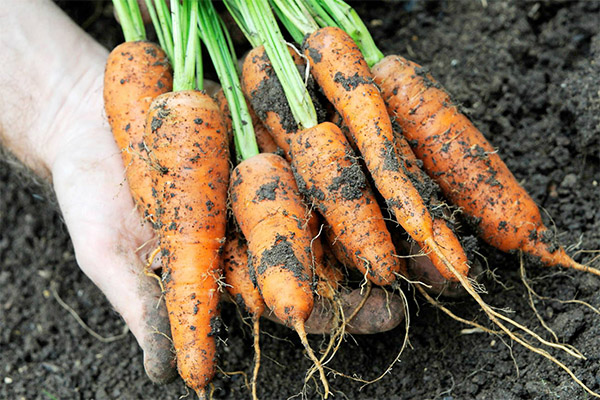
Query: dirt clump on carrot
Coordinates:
[267,98]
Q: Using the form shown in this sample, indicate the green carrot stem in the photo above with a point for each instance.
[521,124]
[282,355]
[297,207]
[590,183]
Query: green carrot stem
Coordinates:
[239,11]
[221,52]
[296,18]
[130,19]
[164,36]
[184,44]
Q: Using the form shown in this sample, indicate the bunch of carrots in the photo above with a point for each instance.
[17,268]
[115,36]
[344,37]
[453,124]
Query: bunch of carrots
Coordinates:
[346,165]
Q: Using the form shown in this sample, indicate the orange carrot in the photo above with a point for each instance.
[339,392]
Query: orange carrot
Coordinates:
[243,291]
[467,168]
[136,73]
[341,71]
[268,208]
[263,186]
[188,150]
[329,175]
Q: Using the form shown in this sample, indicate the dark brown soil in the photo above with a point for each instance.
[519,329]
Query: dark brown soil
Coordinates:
[526,72]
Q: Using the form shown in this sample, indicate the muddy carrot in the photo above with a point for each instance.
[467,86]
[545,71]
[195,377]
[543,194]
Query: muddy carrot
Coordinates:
[137,71]
[189,159]
[465,165]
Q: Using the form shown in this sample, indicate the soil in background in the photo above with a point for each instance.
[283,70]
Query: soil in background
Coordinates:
[526,73]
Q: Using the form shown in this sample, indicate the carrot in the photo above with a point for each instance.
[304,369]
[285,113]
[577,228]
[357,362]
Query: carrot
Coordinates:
[465,165]
[242,290]
[137,71]
[187,144]
[274,221]
[329,175]
[341,71]
[189,164]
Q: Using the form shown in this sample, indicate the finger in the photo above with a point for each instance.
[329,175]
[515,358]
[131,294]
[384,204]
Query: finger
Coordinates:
[380,313]
[106,233]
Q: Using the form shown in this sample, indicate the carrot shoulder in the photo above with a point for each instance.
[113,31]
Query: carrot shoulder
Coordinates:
[465,165]
[187,145]
[136,73]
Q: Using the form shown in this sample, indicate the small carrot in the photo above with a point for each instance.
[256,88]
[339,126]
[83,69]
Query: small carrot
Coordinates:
[137,71]
[329,175]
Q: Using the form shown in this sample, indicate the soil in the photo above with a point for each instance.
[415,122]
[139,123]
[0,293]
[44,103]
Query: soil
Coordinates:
[525,72]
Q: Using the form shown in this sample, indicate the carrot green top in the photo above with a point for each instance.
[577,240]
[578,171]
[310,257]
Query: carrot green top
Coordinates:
[130,18]
[220,48]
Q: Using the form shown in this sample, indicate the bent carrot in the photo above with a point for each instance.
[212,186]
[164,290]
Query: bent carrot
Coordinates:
[329,175]
[465,165]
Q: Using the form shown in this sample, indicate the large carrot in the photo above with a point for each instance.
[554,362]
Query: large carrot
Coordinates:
[465,165]
[137,71]
[189,158]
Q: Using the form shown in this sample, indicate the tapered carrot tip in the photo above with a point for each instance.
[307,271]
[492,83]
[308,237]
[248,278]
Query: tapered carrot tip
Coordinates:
[559,257]
[299,327]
